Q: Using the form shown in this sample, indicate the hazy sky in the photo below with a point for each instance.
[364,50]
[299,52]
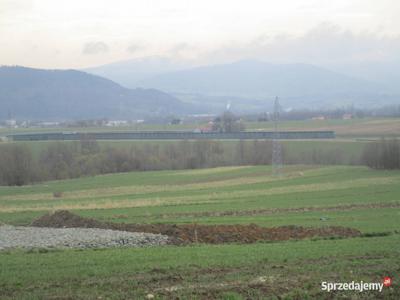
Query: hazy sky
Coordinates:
[77,34]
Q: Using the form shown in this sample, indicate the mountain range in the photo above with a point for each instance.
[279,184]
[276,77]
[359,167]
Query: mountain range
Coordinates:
[250,85]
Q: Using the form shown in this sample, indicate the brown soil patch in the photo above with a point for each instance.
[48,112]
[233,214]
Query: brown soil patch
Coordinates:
[66,219]
[271,211]
[195,233]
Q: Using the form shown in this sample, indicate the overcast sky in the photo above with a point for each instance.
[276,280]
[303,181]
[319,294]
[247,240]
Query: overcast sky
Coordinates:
[78,34]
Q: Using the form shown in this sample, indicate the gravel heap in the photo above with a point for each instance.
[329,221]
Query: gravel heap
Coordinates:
[35,237]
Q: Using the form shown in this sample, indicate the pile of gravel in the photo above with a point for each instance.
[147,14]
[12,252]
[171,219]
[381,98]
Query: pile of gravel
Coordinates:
[35,237]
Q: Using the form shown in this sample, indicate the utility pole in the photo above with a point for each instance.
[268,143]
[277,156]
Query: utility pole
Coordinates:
[276,144]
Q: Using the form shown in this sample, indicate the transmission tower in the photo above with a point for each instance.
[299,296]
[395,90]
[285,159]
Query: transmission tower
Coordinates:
[276,144]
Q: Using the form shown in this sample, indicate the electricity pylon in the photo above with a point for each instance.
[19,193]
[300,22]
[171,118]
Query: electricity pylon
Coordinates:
[276,144]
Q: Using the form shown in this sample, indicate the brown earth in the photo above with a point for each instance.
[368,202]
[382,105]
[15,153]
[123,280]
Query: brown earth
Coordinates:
[195,233]
[271,211]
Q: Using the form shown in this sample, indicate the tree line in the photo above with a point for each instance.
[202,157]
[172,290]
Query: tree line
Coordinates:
[382,154]
[19,165]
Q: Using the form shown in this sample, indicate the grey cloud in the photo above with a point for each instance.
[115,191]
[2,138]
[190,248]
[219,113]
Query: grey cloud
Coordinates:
[95,48]
[326,43]
[133,48]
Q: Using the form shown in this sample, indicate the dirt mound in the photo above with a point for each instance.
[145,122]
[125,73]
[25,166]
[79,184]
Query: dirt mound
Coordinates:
[219,234]
[66,219]
[195,233]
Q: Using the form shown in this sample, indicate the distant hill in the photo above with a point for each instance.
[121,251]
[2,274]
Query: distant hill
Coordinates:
[386,73]
[255,78]
[68,94]
[251,85]
[130,72]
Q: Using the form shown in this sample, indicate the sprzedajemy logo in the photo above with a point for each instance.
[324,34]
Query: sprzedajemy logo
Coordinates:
[360,286]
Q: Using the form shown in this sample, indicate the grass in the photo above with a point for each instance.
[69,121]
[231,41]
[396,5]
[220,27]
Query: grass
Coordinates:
[315,196]
[133,273]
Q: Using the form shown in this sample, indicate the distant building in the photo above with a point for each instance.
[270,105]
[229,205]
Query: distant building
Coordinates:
[347,116]
[117,123]
[49,124]
[11,123]
[318,118]
[208,127]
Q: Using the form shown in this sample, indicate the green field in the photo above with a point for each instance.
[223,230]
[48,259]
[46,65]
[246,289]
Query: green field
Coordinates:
[316,196]
[353,128]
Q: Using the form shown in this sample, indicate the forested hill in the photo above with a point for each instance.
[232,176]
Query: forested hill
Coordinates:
[69,94]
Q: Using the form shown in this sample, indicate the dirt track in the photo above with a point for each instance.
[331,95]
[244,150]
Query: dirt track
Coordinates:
[195,233]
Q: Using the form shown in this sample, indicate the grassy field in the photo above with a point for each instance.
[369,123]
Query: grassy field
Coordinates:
[354,128]
[316,196]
